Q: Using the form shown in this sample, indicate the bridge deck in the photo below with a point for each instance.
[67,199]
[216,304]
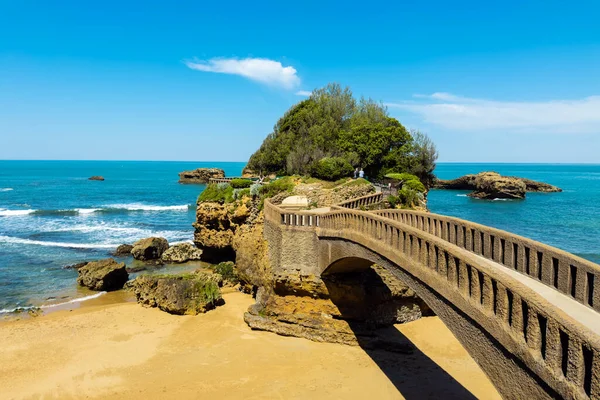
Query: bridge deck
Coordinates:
[582,314]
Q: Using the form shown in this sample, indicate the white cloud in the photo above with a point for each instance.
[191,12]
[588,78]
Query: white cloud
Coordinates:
[462,113]
[304,93]
[257,69]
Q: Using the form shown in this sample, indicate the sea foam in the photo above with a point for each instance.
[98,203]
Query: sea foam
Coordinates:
[16,240]
[15,213]
[146,207]
[46,306]
[6,189]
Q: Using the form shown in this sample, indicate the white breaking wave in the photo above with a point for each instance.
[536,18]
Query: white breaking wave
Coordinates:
[77,300]
[461,195]
[146,207]
[14,213]
[6,189]
[16,240]
[86,210]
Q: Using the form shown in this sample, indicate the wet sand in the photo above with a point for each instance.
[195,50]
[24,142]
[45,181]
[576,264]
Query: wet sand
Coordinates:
[120,350]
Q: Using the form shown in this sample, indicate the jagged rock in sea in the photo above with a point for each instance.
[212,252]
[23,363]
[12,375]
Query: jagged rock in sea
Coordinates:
[76,266]
[151,248]
[187,294]
[96,178]
[491,185]
[123,250]
[106,275]
[181,252]
[200,175]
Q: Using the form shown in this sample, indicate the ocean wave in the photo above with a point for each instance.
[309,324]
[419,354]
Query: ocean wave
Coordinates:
[15,213]
[46,306]
[16,240]
[461,195]
[146,207]
[6,189]
[115,208]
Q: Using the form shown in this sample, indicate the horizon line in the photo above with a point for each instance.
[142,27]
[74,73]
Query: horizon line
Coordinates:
[221,161]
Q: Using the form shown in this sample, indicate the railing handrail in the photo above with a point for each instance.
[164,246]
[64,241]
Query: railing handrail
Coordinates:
[535,259]
[368,199]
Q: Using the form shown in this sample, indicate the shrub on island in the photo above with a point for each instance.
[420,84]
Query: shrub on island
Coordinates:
[408,181]
[332,168]
[239,183]
[217,193]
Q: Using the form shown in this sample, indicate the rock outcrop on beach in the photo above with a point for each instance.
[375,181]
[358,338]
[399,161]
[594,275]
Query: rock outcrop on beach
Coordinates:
[181,252]
[96,178]
[200,175]
[151,248]
[187,294]
[106,275]
[343,309]
[123,250]
[491,185]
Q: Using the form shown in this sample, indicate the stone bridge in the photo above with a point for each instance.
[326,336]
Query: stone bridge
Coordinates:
[526,312]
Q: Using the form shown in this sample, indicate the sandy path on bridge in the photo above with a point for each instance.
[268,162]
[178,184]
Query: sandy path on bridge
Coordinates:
[126,351]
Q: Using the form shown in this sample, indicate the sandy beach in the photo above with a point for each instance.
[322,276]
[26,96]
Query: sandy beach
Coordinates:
[125,351]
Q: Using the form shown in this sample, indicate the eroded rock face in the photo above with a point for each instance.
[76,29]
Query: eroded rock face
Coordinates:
[216,225]
[491,185]
[181,252]
[200,175]
[150,248]
[188,294]
[345,308]
[106,275]
[123,250]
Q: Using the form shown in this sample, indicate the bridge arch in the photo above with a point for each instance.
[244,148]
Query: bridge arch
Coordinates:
[500,365]
[525,342]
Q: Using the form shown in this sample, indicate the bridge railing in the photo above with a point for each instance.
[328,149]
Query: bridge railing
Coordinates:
[303,218]
[562,352]
[364,201]
[556,268]
[219,180]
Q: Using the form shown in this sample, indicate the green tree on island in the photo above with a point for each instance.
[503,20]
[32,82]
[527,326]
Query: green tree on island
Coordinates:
[331,133]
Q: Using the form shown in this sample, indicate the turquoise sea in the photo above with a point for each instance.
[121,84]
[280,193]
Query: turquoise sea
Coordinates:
[51,215]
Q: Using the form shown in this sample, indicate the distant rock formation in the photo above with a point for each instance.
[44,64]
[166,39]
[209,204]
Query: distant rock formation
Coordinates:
[200,175]
[491,185]
[151,248]
[96,178]
[181,252]
[106,275]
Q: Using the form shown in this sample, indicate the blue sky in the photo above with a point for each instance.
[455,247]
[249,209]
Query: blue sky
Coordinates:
[511,81]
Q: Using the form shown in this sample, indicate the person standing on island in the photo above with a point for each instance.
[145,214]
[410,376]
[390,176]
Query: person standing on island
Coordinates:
[361,173]
[356,173]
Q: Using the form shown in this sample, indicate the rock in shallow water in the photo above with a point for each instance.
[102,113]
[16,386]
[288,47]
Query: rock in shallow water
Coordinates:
[104,275]
[96,178]
[123,250]
[181,252]
[150,248]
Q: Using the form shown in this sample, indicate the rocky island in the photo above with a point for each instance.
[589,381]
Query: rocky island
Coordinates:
[200,175]
[492,185]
